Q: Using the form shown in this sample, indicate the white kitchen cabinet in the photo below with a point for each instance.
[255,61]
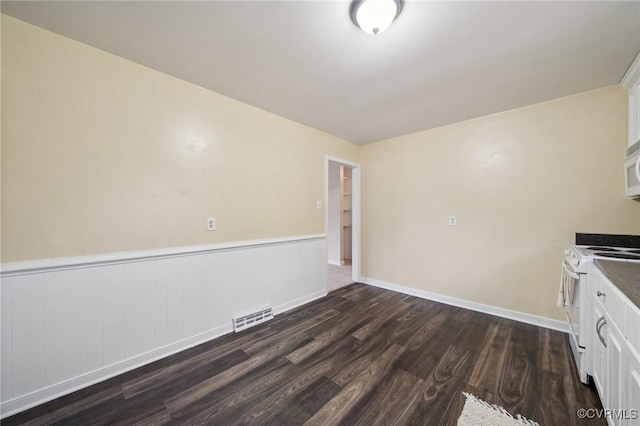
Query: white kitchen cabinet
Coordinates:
[615,367]
[631,390]
[597,348]
[631,81]
[616,371]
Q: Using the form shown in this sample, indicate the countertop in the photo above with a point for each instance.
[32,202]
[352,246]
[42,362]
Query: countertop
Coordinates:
[624,275]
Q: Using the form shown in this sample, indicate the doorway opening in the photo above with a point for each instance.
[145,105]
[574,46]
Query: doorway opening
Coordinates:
[342,222]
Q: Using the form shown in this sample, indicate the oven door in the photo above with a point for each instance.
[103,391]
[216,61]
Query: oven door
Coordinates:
[573,284]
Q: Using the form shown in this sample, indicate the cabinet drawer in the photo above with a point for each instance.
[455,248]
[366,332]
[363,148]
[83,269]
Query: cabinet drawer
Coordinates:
[610,297]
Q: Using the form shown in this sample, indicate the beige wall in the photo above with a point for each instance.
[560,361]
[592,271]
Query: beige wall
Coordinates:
[521,183]
[104,155]
[101,155]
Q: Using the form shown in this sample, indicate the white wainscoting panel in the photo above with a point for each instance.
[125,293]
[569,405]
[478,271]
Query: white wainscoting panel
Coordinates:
[113,314]
[6,370]
[64,325]
[139,322]
[194,295]
[27,333]
[161,302]
[93,318]
[217,294]
[175,303]
[67,325]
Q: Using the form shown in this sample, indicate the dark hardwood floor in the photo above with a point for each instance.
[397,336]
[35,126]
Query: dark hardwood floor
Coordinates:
[360,356]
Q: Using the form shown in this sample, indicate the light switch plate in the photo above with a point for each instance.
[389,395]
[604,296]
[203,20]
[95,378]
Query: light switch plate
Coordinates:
[318,205]
[211,223]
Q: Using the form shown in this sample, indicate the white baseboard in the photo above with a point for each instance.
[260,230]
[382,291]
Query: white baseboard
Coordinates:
[50,393]
[474,306]
[335,262]
[41,396]
[299,302]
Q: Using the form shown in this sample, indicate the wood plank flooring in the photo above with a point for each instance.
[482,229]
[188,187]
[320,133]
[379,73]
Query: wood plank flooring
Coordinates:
[360,356]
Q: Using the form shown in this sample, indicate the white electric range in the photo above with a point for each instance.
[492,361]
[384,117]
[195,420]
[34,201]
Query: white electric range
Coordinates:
[576,266]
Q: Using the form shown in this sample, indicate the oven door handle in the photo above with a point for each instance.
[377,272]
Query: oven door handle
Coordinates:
[599,324]
[569,272]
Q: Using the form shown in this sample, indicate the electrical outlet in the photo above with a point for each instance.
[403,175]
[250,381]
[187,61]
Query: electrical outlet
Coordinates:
[211,224]
[452,221]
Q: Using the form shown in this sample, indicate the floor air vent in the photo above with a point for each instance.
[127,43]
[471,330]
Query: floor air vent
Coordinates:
[255,318]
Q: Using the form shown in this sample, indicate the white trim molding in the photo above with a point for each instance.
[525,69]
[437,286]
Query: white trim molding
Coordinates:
[65,263]
[280,309]
[356,205]
[342,161]
[474,306]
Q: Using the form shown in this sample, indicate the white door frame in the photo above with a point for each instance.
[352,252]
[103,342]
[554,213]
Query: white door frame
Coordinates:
[356,210]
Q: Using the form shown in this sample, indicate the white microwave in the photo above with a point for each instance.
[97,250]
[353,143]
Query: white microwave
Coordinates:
[632,170]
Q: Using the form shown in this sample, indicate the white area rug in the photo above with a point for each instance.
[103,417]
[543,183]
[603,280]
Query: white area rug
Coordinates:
[477,412]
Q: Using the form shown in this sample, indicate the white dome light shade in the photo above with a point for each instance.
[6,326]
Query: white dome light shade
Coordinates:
[374,16]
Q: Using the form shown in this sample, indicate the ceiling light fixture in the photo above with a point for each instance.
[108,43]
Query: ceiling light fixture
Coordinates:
[374,16]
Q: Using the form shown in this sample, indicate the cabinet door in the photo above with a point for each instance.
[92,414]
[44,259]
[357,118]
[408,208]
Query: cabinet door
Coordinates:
[598,352]
[613,386]
[631,391]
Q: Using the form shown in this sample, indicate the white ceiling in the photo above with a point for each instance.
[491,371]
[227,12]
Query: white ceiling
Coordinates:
[439,63]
